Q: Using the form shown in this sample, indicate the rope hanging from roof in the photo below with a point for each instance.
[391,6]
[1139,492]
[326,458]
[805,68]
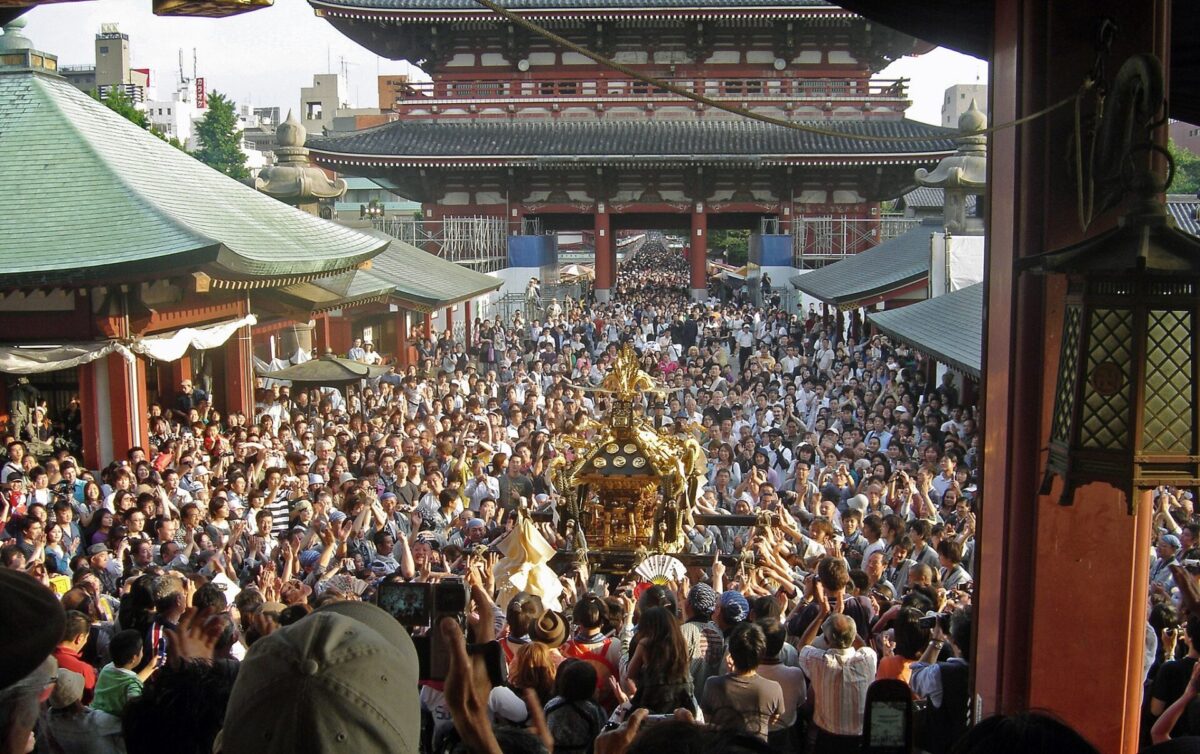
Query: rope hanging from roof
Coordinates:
[541,31]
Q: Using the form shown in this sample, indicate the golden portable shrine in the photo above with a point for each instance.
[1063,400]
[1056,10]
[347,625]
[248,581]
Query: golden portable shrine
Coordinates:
[630,486]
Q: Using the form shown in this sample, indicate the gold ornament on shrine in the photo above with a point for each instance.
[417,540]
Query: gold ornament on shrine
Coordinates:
[1125,401]
[630,486]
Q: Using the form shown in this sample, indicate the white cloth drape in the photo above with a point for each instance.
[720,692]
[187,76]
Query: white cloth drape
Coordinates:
[34,359]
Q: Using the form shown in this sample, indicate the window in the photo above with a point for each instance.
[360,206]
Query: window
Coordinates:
[312,111]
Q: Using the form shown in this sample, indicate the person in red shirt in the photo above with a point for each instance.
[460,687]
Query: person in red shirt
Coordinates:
[67,653]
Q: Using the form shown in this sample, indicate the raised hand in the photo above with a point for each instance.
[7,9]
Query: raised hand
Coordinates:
[195,637]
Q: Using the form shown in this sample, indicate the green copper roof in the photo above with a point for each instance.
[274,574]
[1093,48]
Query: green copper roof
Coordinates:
[420,280]
[948,327]
[91,197]
[896,263]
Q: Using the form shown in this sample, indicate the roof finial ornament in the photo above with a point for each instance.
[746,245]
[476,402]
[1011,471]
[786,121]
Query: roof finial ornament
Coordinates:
[293,179]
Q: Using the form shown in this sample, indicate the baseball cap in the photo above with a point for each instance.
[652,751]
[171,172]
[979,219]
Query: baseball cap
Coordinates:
[68,689]
[98,549]
[343,679]
[858,503]
[32,623]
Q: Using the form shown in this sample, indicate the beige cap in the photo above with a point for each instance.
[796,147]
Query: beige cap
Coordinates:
[343,679]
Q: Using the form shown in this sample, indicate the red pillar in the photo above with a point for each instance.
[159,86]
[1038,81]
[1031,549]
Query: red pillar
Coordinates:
[321,333]
[401,345]
[92,455]
[339,334]
[467,323]
[239,374]
[605,254]
[699,252]
[1044,570]
[123,385]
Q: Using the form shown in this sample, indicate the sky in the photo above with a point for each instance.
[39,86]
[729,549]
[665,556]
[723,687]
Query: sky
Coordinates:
[263,57]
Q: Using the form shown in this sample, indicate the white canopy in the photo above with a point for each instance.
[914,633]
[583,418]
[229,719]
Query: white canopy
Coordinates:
[35,359]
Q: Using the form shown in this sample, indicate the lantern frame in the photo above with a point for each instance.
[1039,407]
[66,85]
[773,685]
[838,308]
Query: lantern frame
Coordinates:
[1127,369]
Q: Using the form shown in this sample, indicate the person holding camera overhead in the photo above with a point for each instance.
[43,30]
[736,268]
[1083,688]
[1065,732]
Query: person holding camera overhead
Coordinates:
[945,684]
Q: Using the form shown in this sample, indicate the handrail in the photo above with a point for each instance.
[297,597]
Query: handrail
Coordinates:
[817,89]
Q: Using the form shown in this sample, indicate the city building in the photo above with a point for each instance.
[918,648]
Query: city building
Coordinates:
[957,100]
[1185,135]
[516,131]
[111,67]
[322,105]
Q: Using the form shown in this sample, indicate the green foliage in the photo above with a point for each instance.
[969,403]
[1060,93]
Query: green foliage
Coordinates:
[1187,170]
[117,101]
[734,244]
[220,142]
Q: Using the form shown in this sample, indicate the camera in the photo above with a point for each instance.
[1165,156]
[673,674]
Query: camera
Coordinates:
[941,620]
[1192,565]
[423,606]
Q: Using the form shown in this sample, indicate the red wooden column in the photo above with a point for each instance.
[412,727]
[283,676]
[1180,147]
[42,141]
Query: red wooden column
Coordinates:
[401,344]
[699,252]
[118,406]
[339,334]
[605,254]
[239,374]
[1044,571]
[467,324]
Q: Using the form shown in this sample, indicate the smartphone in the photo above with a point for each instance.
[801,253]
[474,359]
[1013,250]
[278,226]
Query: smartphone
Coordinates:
[888,720]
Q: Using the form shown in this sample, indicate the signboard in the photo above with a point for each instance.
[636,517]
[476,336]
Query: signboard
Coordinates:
[201,95]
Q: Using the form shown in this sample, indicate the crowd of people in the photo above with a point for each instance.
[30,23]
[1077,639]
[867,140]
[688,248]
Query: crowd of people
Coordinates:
[216,589]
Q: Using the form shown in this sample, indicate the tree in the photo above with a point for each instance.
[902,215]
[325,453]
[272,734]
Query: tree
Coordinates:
[1187,170]
[220,142]
[119,102]
[735,244]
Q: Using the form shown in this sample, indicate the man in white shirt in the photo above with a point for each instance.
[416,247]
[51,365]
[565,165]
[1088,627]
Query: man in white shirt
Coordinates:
[840,676]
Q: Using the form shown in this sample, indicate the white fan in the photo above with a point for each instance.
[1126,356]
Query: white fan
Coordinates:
[659,569]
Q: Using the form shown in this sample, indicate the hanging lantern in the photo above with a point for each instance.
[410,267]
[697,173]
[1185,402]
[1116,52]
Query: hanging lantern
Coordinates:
[207,8]
[1125,401]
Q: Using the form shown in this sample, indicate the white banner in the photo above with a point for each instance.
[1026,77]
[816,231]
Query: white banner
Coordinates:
[33,359]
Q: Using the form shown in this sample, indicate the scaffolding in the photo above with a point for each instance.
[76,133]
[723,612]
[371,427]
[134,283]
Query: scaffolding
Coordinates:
[817,241]
[479,243]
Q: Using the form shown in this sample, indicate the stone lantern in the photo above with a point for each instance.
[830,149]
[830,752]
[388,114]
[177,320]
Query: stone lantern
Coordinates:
[293,179]
[962,174]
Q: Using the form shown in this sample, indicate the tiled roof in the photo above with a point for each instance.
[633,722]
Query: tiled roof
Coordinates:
[436,5]
[893,264]
[1184,208]
[427,280]
[929,197]
[948,328]
[421,280]
[90,196]
[614,140]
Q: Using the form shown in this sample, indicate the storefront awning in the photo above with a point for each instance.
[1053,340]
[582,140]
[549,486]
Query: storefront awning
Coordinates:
[948,328]
[889,268]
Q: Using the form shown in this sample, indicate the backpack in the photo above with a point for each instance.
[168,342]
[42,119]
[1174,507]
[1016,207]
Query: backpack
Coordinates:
[598,659]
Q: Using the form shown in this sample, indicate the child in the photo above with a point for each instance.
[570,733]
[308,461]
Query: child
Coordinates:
[118,683]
